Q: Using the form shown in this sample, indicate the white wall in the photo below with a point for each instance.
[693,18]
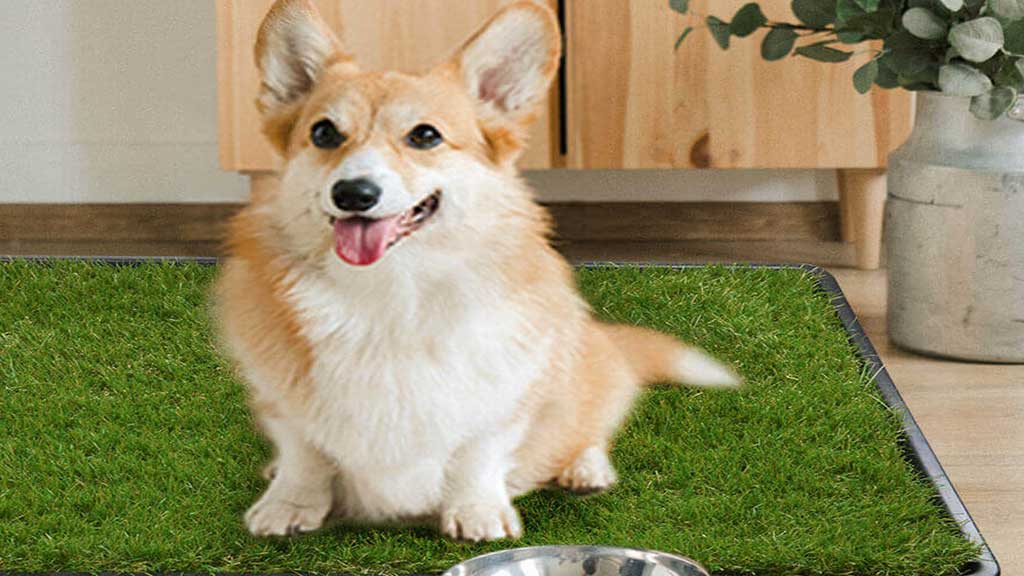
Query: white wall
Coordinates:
[110,101]
[115,101]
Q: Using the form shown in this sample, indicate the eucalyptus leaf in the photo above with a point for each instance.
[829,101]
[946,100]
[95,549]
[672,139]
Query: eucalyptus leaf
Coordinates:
[865,77]
[815,13]
[719,31]
[848,37]
[977,40]
[923,23]
[851,16]
[748,19]
[823,53]
[847,10]
[953,5]
[778,43]
[910,62]
[887,77]
[1009,9]
[963,80]
[1010,74]
[928,78]
[994,103]
[681,6]
[1014,37]
[686,32]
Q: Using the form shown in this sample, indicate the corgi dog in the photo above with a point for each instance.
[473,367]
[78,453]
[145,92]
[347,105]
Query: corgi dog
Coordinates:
[413,347]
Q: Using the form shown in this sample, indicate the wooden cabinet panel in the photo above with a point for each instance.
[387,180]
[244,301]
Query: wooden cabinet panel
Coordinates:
[409,35]
[634,103]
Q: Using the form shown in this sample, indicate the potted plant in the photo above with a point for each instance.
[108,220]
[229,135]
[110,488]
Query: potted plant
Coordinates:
[955,211]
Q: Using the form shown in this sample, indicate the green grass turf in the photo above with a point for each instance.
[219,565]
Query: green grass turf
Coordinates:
[125,444]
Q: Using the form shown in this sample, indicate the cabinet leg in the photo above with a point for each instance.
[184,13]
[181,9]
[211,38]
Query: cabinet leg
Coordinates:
[862,209]
[261,183]
[846,224]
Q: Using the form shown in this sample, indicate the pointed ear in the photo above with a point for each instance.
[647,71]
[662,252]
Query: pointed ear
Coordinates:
[508,65]
[293,49]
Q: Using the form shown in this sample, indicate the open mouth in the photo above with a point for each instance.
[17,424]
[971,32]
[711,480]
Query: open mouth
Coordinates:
[362,241]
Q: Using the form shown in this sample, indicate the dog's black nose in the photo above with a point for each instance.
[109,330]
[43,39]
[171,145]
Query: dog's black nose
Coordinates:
[358,195]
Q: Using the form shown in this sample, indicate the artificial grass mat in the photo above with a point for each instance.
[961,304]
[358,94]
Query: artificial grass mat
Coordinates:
[126,446]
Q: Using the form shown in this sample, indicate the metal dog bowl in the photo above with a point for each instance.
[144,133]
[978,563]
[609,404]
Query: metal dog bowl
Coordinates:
[577,561]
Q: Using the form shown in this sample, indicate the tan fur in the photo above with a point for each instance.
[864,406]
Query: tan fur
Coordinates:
[584,375]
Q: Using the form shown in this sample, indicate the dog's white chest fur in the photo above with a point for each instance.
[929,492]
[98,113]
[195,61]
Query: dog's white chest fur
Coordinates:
[405,370]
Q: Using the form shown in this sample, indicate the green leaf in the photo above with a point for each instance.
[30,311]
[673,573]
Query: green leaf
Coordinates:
[686,32]
[681,6]
[1009,9]
[908,63]
[865,76]
[994,103]
[887,77]
[977,40]
[923,23]
[851,17]
[963,80]
[926,79]
[869,5]
[850,37]
[953,5]
[719,31]
[1011,74]
[823,53]
[748,19]
[1014,37]
[778,43]
[815,13]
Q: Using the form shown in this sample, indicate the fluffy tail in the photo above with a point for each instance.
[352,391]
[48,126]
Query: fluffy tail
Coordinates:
[657,357]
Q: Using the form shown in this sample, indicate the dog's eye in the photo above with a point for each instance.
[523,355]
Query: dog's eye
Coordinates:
[325,135]
[424,137]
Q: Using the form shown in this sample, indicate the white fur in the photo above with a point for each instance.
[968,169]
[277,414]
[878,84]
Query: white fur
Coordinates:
[698,369]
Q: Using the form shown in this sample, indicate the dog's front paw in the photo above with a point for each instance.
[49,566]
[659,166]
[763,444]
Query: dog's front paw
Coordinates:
[272,516]
[480,522]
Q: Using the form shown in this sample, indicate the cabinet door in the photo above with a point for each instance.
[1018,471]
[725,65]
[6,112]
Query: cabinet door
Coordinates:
[408,35]
[633,102]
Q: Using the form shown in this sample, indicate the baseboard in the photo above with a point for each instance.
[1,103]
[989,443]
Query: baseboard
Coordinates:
[646,221]
[667,221]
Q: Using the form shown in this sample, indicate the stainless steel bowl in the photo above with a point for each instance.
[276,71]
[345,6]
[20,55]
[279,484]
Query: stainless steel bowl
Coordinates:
[577,561]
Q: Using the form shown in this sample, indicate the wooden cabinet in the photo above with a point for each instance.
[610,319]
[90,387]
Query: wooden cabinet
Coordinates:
[634,103]
[408,35]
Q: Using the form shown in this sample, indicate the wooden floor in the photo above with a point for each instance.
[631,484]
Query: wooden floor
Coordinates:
[972,414]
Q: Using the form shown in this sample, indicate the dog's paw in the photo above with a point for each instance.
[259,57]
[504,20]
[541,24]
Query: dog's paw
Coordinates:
[271,516]
[590,472]
[481,522]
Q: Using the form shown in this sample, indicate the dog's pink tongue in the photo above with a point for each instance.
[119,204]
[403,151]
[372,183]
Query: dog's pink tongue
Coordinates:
[361,241]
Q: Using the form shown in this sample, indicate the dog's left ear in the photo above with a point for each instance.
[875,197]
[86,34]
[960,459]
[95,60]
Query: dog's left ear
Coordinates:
[508,65]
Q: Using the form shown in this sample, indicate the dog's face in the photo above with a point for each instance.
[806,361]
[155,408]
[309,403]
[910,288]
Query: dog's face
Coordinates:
[376,160]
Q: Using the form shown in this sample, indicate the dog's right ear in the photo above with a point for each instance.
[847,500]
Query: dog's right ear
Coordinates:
[293,49]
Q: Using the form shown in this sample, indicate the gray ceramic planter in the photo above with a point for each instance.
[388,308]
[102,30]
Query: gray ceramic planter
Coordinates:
[955,234]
